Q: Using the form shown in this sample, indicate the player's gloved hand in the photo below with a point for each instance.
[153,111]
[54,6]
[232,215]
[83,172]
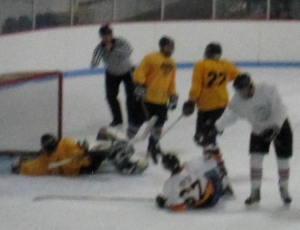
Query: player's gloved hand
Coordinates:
[160,201]
[188,108]
[172,104]
[269,134]
[140,92]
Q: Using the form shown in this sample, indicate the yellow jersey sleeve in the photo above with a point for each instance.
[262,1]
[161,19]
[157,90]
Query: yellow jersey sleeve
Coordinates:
[157,73]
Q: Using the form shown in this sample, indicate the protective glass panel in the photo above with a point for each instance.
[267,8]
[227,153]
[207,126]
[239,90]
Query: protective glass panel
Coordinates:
[52,13]
[241,9]
[93,11]
[138,10]
[16,15]
[285,9]
[192,9]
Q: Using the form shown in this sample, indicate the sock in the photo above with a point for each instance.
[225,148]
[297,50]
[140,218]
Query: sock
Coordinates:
[283,172]
[256,170]
[132,130]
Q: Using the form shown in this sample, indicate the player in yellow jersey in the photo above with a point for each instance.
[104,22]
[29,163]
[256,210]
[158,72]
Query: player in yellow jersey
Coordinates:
[209,88]
[55,150]
[209,93]
[67,157]
[155,92]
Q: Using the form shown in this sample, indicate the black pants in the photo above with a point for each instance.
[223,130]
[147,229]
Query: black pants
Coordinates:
[146,111]
[112,85]
[283,143]
[203,117]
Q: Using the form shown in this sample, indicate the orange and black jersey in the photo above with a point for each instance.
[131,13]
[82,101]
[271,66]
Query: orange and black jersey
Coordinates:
[157,73]
[209,83]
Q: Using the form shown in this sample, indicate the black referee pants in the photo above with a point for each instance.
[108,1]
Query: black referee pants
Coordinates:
[112,85]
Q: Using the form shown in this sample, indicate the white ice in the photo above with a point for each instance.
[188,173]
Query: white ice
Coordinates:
[85,111]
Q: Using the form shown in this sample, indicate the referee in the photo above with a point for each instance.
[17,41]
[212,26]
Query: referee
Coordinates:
[115,53]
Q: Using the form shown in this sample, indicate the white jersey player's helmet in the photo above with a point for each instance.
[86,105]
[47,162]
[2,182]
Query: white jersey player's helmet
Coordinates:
[170,162]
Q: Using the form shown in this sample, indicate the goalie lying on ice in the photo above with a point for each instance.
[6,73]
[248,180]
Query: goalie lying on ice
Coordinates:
[198,183]
[70,158]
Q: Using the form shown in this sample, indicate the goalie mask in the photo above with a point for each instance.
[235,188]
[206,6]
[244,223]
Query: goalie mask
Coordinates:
[49,142]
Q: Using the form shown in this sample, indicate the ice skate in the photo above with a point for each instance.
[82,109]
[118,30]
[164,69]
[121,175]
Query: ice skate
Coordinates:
[253,198]
[285,196]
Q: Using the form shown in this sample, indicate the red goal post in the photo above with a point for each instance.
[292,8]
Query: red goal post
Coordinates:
[31,104]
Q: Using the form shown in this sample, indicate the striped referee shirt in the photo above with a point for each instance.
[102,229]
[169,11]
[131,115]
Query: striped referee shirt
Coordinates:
[117,60]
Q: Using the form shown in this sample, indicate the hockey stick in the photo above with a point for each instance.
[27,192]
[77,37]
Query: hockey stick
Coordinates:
[154,155]
[171,126]
[93,198]
[61,163]
[146,132]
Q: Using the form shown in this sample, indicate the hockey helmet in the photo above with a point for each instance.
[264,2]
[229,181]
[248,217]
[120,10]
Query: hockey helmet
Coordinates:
[170,162]
[49,142]
[242,81]
[212,49]
[105,29]
[165,40]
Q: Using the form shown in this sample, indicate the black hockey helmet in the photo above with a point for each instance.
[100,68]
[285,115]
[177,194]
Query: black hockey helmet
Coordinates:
[105,29]
[170,162]
[212,49]
[242,81]
[165,40]
[49,142]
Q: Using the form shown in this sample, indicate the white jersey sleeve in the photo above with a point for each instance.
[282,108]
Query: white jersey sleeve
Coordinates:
[263,110]
[229,117]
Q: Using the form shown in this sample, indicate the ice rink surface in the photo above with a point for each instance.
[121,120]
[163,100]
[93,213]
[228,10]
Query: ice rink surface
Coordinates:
[85,111]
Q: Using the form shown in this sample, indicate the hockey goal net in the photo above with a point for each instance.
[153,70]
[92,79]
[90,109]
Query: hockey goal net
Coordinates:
[31,105]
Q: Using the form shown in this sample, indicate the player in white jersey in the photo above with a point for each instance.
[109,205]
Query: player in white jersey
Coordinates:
[195,184]
[262,106]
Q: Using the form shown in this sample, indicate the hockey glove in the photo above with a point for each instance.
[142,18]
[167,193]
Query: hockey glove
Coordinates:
[188,108]
[160,201]
[269,134]
[140,92]
[172,104]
